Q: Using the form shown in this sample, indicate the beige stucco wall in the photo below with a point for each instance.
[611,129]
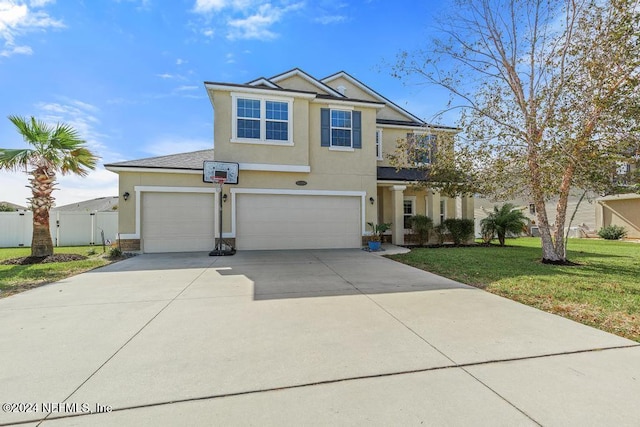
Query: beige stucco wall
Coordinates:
[623,212]
[241,152]
[298,83]
[353,91]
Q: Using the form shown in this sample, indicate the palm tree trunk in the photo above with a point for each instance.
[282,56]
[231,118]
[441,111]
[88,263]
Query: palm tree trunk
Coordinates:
[42,182]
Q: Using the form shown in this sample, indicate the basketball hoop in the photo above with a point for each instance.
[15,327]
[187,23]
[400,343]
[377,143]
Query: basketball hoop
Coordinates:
[218,179]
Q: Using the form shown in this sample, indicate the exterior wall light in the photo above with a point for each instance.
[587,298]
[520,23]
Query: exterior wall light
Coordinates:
[224,198]
[372,200]
[125,196]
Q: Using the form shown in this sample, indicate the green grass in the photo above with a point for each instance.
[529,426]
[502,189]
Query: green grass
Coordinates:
[18,278]
[603,291]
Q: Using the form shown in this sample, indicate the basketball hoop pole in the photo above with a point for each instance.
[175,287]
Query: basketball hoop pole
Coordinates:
[219,244]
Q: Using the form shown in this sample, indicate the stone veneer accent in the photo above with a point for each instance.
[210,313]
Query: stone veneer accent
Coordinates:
[127,245]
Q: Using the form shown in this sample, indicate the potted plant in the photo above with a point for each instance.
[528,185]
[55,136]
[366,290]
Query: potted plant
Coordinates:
[376,238]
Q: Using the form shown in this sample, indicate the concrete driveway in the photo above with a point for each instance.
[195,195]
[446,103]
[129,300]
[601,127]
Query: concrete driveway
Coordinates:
[338,337]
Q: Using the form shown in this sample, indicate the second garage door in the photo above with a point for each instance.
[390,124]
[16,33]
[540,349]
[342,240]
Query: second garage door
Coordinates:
[268,221]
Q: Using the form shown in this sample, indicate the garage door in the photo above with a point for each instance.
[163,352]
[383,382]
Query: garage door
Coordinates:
[178,222]
[266,221]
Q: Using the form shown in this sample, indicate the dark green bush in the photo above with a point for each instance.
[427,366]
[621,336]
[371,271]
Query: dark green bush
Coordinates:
[612,232]
[421,226]
[461,230]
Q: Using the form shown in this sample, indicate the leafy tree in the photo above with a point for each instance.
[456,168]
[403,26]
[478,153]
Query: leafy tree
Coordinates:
[56,149]
[548,91]
[503,220]
[6,208]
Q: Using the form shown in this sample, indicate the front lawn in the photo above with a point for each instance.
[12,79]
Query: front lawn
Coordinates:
[18,278]
[603,291]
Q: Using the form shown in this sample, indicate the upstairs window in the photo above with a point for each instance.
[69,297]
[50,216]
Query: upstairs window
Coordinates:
[422,148]
[261,120]
[379,144]
[340,129]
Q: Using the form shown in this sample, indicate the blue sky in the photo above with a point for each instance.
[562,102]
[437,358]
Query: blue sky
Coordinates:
[128,74]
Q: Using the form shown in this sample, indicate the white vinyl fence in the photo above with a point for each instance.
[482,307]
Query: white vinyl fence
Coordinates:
[67,228]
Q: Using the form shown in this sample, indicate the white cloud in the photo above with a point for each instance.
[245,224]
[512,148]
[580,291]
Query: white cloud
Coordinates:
[180,61]
[230,58]
[173,145]
[17,18]
[206,6]
[257,26]
[330,19]
[244,19]
[186,88]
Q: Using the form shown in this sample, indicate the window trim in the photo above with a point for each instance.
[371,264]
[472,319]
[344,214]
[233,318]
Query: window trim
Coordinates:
[350,128]
[411,199]
[263,120]
[430,153]
[379,144]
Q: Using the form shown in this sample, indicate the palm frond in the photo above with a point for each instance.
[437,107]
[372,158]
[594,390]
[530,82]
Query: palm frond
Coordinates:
[15,159]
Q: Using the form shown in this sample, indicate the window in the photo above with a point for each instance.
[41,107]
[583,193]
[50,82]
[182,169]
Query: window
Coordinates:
[443,210]
[408,209]
[379,144]
[261,120]
[340,128]
[422,148]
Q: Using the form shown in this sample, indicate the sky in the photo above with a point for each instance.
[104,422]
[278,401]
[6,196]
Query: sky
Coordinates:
[128,74]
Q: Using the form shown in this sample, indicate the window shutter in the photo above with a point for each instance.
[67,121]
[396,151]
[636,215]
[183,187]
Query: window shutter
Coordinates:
[357,129]
[325,127]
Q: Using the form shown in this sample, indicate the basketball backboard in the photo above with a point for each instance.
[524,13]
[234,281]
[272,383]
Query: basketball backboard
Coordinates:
[214,171]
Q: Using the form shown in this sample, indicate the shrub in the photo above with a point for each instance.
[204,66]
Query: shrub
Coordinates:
[612,232]
[421,225]
[91,251]
[441,232]
[461,230]
[115,253]
[503,220]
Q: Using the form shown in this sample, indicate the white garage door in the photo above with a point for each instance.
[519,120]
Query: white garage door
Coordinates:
[267,221]
[178,222]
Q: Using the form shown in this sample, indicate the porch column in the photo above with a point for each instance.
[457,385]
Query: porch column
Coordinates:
[397,207]
[467,207]
[433,206]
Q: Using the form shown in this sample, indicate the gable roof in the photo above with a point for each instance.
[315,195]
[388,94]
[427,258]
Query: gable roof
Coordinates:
[373,93]
[261,81]
[192,160]
[312,80]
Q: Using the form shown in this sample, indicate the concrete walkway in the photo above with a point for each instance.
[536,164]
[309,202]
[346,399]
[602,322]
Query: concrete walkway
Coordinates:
[339,337]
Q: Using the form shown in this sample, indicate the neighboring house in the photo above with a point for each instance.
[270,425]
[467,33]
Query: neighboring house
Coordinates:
[13,206]
[312,171]
[584,222]
[623,210]
[100,204]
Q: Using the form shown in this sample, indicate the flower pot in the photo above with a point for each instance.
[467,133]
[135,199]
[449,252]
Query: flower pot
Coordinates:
[374,246]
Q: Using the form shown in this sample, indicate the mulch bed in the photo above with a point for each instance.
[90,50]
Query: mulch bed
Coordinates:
[43,260]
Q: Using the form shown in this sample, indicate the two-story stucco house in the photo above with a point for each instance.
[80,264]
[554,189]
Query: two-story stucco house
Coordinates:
[312,171]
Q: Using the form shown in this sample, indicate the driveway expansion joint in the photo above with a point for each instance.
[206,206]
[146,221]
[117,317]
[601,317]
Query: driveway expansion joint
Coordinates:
[461,366]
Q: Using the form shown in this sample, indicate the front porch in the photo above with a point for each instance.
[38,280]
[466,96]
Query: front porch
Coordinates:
[399,201]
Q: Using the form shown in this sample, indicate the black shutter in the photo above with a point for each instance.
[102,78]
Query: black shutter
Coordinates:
[357,129]
[325,127]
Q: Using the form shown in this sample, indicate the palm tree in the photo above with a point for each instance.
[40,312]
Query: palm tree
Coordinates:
[501,221]
[55,149]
